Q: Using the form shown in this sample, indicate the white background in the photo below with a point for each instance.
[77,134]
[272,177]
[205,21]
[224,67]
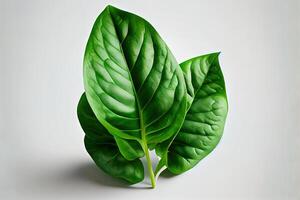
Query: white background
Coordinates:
[41,147]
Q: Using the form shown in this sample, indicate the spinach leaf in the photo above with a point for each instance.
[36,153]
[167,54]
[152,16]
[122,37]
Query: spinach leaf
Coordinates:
[204,123]
[103,149]
[132,81]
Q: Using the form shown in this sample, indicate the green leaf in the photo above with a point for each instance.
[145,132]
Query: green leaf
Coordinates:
[132,81]
[130,149]
[103,149]
[204,122]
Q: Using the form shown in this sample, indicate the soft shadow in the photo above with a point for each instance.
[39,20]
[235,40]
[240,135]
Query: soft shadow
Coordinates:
[75,178]
[90,173]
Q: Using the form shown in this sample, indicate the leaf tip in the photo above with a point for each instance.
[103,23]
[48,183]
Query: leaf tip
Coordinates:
[216,54]
[109,7]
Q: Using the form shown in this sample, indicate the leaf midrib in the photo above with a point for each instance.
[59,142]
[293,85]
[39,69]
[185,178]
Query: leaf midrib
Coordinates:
[143,141]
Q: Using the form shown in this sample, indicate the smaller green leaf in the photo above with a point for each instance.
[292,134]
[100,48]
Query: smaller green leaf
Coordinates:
[110,160]
[103,149]
[205,119]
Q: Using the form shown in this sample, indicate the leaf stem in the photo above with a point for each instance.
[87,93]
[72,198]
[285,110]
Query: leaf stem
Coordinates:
[149,165]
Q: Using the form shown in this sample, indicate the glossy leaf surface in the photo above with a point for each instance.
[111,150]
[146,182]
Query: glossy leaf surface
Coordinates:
[204,122]
[132,81]
[103,149]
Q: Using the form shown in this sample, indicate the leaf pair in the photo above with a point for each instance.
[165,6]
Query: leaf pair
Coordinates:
[138,98]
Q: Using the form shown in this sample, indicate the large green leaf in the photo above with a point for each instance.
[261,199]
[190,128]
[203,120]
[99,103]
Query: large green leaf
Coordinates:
[132,81]
[204,123]
[103,149]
